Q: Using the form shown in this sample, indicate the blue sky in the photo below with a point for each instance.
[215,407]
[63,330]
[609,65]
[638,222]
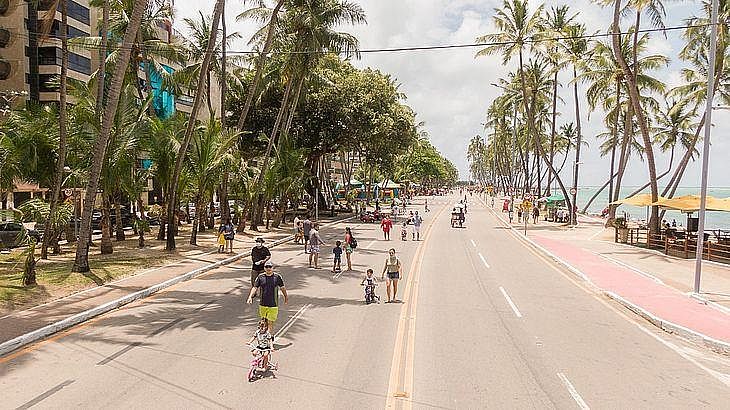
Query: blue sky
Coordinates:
[450,91]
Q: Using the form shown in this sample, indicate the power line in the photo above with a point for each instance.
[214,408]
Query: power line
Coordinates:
[409,48]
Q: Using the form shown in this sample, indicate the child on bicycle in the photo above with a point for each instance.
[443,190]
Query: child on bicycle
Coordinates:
[264,341]
[337,250]
[370,282]
[404,232]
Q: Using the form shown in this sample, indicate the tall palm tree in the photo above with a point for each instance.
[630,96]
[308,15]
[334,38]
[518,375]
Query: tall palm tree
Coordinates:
[517,26]
[48,20]
[576,47]
[309,27]
[81,262]
[638,110]
[557,19]
[694,90]
[172,197]
[263,56]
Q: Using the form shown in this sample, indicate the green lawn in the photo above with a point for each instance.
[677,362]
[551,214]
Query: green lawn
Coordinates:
[56,280]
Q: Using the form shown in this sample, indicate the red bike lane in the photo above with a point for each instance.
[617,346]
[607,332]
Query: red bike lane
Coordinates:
[661,301]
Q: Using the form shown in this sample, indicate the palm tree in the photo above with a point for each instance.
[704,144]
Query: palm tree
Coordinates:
[516,26]
[171,207]
[638,110]
[576,47]
[308,26]
[209,152]
[694,90]
[81,262]
[58,5]
[555,23]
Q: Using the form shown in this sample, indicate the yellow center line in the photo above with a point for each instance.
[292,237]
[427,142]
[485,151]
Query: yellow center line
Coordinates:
[405,336]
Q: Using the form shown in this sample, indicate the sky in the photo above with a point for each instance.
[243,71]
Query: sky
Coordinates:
[450,89]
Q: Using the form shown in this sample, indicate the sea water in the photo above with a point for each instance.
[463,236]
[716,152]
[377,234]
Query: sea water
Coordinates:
[715,220]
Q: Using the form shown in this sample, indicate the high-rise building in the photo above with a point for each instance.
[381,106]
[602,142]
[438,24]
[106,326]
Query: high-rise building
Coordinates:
[31,57]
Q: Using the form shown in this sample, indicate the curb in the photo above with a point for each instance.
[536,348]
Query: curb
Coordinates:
[38,334]
[718,346]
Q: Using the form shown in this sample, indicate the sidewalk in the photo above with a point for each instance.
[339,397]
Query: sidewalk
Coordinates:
[656,286]
[22,322]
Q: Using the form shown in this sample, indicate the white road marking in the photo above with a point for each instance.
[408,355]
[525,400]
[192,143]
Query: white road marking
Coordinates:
[371,244]
[473,243]
[573,392]
[509,300]
[722,377]
[484,260]
[627,266]
[292,319]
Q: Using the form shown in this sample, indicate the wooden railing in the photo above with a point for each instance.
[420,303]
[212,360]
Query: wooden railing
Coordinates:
[716,246]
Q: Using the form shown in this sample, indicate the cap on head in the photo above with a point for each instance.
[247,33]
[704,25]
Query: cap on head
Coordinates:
[260,240]
[268,265]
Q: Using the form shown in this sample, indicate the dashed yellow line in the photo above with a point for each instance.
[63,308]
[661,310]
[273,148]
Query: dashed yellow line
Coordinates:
[402,366]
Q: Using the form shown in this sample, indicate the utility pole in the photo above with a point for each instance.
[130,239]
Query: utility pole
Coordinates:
[706,146]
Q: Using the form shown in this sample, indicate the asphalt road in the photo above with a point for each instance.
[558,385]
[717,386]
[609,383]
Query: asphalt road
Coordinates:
[485,322]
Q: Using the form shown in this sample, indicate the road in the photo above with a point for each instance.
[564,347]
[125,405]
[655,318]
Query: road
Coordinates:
[485,322]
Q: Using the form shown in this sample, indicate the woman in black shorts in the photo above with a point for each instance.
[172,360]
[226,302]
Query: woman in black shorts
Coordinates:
[393,269]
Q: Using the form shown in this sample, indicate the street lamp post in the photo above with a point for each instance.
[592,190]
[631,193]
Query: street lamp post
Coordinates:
[706,145]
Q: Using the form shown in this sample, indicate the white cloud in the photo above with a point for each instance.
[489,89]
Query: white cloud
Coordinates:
[449,89]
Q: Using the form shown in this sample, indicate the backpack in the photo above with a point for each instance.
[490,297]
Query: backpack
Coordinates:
[353,242]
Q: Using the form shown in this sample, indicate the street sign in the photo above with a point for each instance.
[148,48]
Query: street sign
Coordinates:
[526,205]
[573,191]
[68,192]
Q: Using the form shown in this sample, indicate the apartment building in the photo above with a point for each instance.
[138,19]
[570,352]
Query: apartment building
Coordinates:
[35,72]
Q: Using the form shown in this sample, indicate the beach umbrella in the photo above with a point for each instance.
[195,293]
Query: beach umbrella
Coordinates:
[691,203]
[637,200]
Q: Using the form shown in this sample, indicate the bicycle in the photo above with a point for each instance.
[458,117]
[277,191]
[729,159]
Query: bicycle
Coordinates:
[370,296]
[257,363]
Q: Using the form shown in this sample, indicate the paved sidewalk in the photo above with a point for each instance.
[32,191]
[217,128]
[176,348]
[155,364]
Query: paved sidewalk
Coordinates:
[659,285]
[21,322]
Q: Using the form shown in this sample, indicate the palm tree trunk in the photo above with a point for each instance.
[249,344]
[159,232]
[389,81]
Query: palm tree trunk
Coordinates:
[552,128]
[50,228]
[101,76]
[208,98]
[172,195]
[81,262]
[257,187]
[665,173]
[623,158]
[640,115]
[614,136]
[260,63]
[598,192]
[224,84]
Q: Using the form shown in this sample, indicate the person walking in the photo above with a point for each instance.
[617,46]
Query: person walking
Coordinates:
[535,214]
[226,229]
[386,225]
[259,256]
[349,241]
[306,229]
[425,206]
[296,228]
[315,241]
[393,269]
[269,283]
[417,221]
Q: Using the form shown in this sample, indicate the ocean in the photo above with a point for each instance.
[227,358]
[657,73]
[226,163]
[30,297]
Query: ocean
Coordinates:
[715,220]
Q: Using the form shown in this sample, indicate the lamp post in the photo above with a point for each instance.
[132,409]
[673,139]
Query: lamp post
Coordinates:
[67,170]
[706,146]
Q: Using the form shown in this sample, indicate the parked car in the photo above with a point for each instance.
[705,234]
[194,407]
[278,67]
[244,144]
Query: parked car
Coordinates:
[9,232]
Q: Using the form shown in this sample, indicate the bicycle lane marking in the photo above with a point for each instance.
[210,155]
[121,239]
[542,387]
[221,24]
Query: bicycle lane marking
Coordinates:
[573,392]
[292,320]
[511,303]
[405,335]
